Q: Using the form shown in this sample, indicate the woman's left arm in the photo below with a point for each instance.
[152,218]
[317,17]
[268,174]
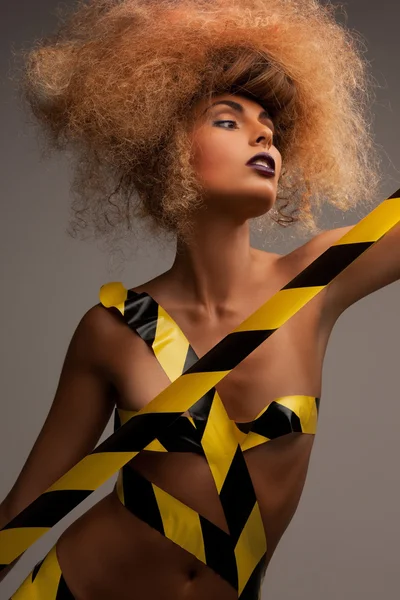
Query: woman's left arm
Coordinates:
[376,268]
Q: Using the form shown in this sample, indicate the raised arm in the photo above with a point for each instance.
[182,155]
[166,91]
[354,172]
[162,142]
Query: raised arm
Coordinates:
[81,409]
[372,271]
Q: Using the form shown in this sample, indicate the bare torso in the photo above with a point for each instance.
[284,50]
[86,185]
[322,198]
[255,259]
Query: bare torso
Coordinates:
[108,552]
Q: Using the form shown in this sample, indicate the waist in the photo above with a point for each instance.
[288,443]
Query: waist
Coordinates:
[108,534]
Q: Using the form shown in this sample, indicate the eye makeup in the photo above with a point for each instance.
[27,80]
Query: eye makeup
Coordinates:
[239,109]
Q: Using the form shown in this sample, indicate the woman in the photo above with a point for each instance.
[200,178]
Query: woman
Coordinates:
[212,113]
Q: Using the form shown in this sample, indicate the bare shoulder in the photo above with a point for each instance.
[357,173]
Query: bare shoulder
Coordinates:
[96,335]
[98,322]
[294,263]
[301,257]
[318,244]
[377,266]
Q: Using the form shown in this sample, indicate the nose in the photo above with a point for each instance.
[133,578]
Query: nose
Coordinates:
[267,137]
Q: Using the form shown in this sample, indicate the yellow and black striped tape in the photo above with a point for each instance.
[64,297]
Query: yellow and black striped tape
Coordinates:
[45,582]
[237,557]
[110,456]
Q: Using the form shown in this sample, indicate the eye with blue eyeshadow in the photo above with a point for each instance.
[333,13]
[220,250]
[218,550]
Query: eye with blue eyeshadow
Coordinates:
[235,123]
[225,121]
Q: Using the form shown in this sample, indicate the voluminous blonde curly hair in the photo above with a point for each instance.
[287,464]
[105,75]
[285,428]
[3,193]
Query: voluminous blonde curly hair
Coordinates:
[116,84]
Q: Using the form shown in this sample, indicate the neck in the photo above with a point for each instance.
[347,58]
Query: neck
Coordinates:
[216,266]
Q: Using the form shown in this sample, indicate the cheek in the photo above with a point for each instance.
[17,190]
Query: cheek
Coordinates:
[217,161]
[215,164]
[214,152]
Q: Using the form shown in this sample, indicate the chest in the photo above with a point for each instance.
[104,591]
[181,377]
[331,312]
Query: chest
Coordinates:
[288,362]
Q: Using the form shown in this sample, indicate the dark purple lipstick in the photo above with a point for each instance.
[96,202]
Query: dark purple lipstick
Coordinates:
[264,163]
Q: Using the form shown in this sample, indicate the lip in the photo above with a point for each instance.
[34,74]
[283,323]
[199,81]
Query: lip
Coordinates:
[267,157]
[266,171]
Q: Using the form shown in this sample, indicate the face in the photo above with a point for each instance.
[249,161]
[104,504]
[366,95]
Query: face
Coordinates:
[225,137]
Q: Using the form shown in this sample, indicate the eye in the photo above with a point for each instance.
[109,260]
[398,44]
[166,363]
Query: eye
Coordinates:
[216,123]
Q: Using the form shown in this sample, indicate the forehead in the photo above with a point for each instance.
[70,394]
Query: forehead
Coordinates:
[248,104]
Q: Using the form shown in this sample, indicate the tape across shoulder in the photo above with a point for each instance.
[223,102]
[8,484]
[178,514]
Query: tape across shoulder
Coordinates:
[183,392]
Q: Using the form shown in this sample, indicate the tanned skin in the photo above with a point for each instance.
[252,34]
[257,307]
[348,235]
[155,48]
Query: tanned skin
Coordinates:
[216,281]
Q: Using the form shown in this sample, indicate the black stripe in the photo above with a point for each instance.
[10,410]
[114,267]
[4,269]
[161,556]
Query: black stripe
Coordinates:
[230,351]
[238,499]
[277,420]
[63,591]
[201,409]
[36,569]
[137,433]
[126,430]
[270,414]
[182,436]
[327,266]
[220,555]
[246,426]
[139,498]
[117,420]
[395,195]
[141,313]
[191,359]
[48,509]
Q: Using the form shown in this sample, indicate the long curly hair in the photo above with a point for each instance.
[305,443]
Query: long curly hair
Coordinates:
[116,84]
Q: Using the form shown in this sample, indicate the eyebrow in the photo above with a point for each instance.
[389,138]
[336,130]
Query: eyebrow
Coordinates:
[239,108]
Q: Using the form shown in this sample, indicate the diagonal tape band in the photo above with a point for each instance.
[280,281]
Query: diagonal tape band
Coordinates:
[110,456]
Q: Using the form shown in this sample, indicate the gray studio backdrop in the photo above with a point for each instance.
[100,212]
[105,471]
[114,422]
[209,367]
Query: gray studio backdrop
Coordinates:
[343,543]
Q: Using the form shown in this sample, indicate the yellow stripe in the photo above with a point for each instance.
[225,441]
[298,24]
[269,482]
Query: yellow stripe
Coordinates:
[219,442]
[187,389]
[45,585]
[169,336]
[305,408]
[182,393]
[88,474]
[14,541]
[278,309]
[250,547]
[251,440]
[48,578]
[375,224]
[125,415]
[181,523]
